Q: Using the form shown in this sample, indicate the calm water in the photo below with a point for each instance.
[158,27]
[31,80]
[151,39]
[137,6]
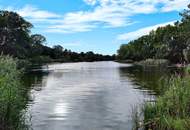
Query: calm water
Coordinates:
[87,96]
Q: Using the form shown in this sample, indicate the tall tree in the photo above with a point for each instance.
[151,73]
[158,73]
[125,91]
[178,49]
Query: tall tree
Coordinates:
[14,34]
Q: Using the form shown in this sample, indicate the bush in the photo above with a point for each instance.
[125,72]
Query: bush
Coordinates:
[11,99]
[171,111]
[153,62]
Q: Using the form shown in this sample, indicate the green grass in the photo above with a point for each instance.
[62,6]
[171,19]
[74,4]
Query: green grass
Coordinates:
[11,96]
[171,111]
[153,62]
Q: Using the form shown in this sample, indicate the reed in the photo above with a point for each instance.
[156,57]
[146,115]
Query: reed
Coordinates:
[171,111]
[11,96]
[153,62]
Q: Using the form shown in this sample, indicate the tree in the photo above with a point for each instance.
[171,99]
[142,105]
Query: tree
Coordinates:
[37,47]
[171,42]
[14,34]
[58,51]
[38,39]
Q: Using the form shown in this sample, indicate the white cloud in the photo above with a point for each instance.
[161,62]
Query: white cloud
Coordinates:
[141,32]
[69,28]
[34,13]
[113,13]
[103,14]
[91,2]
[175,5]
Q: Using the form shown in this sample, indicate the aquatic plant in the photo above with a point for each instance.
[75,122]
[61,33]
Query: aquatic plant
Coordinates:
[11,96]
[171,111]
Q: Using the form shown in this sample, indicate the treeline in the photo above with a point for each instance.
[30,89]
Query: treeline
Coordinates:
[171,42]
[16,40]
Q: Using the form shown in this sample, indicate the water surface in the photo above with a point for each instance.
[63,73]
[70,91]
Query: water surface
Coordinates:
[87,96]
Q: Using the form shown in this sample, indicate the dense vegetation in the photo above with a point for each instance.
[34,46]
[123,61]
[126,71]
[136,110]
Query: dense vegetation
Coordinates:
[171,111]
[12,100]
[171,42]
[16,40]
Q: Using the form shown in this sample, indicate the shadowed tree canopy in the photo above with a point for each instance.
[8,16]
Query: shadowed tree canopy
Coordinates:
[14,34]
[38,39]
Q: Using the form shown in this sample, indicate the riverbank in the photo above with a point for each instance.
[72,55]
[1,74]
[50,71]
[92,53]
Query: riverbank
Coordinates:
[171,109]
[12,99]
[154,63]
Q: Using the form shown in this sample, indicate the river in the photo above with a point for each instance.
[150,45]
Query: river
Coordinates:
[87,96]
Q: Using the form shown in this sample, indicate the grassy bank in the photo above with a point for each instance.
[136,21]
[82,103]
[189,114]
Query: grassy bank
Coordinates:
[153,62]
[11,96]
[171,111]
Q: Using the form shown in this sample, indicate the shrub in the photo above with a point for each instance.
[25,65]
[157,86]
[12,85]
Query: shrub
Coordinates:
[153,62]
[171,111]
[11,99]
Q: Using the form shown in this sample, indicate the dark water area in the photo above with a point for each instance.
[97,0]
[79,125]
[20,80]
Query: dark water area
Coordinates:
[88,96]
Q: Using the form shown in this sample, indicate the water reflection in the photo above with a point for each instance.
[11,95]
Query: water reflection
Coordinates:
[88,96]
[145,79]
[60,111]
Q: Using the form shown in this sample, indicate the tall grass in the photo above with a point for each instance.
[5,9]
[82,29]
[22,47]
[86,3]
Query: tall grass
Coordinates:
[171,111]
[11,96]
[153,62]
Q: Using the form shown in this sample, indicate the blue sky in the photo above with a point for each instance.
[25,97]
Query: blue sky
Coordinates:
[95,25]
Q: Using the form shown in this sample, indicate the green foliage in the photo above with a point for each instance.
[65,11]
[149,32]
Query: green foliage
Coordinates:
[14,34]
[11,99]
[171,42]
[171,111]
[153,62]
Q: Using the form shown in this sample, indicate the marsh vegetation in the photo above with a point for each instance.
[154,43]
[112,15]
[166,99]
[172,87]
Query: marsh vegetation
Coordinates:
[12,100]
